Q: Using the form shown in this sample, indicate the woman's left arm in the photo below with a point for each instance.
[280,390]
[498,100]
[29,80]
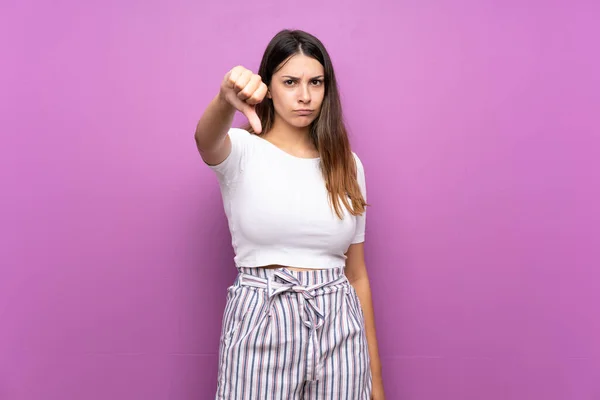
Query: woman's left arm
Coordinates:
[356,272]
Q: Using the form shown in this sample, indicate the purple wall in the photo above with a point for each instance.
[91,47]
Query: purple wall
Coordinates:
[478,124]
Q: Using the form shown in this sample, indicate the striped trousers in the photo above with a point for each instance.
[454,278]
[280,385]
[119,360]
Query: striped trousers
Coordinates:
[293,335]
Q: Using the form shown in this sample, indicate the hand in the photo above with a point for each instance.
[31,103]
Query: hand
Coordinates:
[377,392]
[243,90]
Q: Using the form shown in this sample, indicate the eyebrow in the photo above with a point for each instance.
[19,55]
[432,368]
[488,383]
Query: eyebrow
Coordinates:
[293,77]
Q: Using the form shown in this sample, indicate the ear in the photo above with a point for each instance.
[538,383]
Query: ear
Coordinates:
[269,94]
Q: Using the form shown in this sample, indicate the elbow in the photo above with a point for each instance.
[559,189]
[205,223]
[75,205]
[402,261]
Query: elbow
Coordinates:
[356,275]
[200,141]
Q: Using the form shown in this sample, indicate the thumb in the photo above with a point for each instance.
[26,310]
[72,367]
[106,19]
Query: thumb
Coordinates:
[253,119]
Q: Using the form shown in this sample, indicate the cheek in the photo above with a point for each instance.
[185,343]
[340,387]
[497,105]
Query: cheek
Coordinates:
[319,99]
[282,99]
[319,95]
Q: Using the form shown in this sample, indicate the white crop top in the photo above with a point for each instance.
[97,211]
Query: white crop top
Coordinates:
[278,209]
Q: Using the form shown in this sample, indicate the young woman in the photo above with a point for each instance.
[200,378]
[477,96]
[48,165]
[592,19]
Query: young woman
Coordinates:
[298,322]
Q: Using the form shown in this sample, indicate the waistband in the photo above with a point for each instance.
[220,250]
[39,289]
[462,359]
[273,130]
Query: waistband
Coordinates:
[306,278]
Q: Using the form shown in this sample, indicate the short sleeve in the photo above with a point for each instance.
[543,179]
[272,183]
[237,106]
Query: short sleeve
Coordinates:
[230,169]
[359,233]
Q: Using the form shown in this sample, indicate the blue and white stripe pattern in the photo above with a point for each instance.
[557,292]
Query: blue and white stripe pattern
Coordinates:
[291,335]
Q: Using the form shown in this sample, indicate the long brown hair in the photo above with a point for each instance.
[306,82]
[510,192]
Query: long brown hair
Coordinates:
[328,132]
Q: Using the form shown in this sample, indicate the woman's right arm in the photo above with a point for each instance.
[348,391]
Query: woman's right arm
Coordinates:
[240,90]
[211,136]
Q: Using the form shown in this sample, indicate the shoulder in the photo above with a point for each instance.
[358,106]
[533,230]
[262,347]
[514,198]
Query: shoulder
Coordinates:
[360,175]
[359,165]
[241,139]
[238,134]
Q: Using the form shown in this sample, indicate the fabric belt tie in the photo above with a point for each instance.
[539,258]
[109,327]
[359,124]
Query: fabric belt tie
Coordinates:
[306,295]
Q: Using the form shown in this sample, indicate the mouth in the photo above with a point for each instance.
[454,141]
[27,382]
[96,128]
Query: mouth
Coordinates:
[304,112]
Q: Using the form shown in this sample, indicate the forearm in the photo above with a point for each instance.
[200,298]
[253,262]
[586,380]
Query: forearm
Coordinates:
[214,124]
[363,290]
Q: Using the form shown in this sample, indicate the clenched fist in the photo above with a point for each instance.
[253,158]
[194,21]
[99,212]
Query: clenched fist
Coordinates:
[243,90]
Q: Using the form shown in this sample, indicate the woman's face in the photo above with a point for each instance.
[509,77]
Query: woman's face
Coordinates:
[297,90]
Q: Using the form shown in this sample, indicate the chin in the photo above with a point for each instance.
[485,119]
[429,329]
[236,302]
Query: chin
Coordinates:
[301,123]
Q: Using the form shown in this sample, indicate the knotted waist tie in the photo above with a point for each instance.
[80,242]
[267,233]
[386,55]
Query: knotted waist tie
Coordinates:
[315,314]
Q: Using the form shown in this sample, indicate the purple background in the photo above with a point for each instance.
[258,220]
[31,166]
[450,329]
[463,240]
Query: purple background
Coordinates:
[478,124]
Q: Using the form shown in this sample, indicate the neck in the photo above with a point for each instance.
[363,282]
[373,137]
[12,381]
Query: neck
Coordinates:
[291,137]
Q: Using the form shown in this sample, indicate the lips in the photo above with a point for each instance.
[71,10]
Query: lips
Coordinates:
[303,112]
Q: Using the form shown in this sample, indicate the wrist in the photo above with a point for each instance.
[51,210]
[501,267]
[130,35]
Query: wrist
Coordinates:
[222,102]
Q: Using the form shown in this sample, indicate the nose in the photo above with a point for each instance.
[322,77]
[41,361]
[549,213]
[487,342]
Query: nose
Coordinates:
[304,95]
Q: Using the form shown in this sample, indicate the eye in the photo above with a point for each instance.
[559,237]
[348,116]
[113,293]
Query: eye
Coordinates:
[317,82]
[288,82]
